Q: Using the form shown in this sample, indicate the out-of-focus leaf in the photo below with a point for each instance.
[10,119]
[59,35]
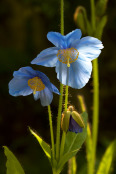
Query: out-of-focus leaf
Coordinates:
[80,18]
[88,139]
[101,7]
[89,149]
[72,165]
[13,166]
[74,141]
[106,162]
[100,27]
[43,144]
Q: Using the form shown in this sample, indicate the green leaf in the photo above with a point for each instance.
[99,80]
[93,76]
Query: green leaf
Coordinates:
[65,158]
[100,27]
[106,162]
[74,141]
[101,7]
[12,164]
[80,18]
[43,144]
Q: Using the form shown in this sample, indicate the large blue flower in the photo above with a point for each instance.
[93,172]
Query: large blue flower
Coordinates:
[72,56]
[27,81]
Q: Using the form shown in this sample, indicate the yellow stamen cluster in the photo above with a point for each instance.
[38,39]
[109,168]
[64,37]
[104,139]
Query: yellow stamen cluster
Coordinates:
[68,55]
[36,84]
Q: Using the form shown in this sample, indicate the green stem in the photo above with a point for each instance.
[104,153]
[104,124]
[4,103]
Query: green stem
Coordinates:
[95,110]
[72,165]
[51,131]
[55,172]
[93,15]
[66,103]
[82,103]
[62,17]
[95,94]
[62,143]
[59,123]
[61,93]
[66,97]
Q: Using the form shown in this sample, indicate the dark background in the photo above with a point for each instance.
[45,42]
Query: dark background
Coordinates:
[24,25]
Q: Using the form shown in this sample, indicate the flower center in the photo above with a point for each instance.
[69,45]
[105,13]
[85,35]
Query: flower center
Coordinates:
[36,84]
[68,55]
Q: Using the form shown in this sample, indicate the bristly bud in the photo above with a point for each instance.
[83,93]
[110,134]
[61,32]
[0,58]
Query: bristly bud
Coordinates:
[72,121]
[65,120]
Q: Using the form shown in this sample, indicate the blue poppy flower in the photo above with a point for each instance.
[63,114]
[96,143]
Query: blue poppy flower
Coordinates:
[27,81]
[72,56]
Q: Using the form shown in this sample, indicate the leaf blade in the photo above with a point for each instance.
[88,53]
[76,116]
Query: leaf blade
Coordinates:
[13,166]
[106,162]
[43,144]
[65,158]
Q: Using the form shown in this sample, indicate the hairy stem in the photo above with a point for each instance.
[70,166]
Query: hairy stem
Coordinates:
[61,93]
[51,131]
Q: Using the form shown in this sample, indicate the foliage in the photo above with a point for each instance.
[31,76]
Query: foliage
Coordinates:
[13,166]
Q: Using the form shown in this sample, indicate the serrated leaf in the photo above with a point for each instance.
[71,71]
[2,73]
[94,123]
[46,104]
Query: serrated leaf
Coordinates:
[43,144]
[100,27]
[106,162]
[101,7]
[80,18]
[13,166]
[74,141]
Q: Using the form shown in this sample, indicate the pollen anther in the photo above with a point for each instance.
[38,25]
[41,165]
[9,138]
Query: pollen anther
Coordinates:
[68,55]
[36,84]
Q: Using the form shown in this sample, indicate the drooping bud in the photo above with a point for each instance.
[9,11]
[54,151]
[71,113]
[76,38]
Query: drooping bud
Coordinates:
[72,121]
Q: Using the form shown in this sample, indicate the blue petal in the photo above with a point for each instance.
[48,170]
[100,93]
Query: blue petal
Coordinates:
[19,87]
[24,72]
[46,97]
[37,95]
[73,126]
[72,36]
[88,47]
[47,57]
[55,90]
[78,75]
[57,39]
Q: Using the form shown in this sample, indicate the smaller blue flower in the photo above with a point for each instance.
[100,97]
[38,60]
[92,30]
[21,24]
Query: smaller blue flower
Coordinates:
[27,81]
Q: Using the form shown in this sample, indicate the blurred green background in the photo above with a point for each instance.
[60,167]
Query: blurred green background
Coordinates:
[24,25]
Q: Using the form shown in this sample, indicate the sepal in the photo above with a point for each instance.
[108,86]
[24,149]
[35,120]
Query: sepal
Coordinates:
[72,121]
[65,120]
[78,118]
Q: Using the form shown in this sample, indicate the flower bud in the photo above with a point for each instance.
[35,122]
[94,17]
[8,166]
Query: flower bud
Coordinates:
[77,117]
[72,121]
